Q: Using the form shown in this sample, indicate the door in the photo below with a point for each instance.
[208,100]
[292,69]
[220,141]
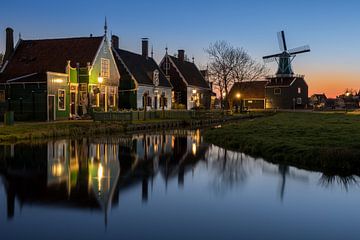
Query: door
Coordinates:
[51,108]
[72,103]
[155,102]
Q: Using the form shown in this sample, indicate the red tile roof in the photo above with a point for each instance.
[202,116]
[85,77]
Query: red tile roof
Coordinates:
[40,56]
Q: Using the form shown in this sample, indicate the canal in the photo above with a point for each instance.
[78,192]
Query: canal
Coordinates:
[168,185]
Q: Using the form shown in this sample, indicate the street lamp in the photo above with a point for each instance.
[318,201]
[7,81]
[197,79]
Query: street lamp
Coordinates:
[100,79]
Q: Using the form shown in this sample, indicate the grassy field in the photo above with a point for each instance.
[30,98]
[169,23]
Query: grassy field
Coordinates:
[329,142]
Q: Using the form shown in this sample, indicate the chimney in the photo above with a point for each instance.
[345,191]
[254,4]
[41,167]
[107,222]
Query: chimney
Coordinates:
[115,41]
[9,44]
[181,55]
[145,47]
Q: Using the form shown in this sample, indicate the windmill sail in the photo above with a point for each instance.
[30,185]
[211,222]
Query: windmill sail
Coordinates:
[299,50]
[286,56]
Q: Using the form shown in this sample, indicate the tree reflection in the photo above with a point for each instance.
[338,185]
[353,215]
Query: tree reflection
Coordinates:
[345,182]
[231,169]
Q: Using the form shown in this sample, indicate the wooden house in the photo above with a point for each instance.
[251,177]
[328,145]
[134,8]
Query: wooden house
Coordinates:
[286,92]
[54,79]
[142,81]
[190,89]
[249,94]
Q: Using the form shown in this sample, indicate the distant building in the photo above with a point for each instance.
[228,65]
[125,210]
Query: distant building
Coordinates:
[190,89]
[142,81]
[318,101]
[54,79]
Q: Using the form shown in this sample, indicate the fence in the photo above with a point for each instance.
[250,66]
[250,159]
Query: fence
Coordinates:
[130,116]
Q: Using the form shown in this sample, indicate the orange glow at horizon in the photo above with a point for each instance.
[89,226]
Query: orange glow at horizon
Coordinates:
[332,84]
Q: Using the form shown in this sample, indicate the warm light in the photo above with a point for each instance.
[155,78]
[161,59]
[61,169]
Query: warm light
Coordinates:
[58,80]
[224,94]
[100,175]
[238,95]
[57,170]
[100,172]
[194,148]
[100,79]
[194,91]
[347,94]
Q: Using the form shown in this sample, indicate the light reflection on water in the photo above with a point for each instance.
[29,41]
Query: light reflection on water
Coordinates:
[162,185]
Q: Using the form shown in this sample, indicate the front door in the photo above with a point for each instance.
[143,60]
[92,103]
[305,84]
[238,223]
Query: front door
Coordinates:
[51,107]
[72,104]
[155,102]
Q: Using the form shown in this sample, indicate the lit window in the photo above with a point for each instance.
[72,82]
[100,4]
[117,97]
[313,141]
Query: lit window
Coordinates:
[105,68]
[61,100]
[277,91]
[298,101]
[299,90]
[2,96]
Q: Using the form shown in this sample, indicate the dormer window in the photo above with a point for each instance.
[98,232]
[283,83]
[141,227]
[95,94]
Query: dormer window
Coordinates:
[105,68]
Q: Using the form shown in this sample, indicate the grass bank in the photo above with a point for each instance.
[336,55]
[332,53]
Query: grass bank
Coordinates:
[43,130]
[328,142]
[32,131]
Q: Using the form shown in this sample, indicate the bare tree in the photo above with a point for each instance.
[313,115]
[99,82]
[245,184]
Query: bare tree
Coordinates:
[230,64]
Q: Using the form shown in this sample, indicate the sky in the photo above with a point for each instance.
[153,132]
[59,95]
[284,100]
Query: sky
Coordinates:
[331,28]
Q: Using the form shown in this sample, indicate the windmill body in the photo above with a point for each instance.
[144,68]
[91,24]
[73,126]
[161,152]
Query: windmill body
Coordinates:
[285,89]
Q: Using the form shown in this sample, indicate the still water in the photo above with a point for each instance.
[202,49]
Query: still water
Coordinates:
[170,185]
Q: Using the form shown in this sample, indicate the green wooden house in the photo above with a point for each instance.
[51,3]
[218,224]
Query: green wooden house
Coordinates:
[57,79]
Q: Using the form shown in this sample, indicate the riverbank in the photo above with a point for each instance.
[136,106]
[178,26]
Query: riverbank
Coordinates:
[89,128]
[327,142]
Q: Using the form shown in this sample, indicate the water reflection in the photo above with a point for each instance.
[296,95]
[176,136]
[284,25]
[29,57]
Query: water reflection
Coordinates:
[90,174]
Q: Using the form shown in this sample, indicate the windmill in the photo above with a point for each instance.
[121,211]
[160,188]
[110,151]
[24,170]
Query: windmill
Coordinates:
[285,58]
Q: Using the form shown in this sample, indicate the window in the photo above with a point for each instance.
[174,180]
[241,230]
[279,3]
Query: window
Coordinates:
[2,96]
[299,90]
[61,100]
[299,101]
[277,91]
[112,97]
[94,92]
[105,67]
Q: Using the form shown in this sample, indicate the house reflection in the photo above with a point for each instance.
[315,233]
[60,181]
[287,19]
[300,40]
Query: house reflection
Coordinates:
[89,174]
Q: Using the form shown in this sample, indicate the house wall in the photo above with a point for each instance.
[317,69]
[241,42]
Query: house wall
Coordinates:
[288,93]
[202,94]
[56,82]
[112,81]
[28,101]
[179,87]
[153,92]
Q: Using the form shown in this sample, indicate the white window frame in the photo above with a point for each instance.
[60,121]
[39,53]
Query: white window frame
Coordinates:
[277,91]
[58,98]
[105,73]
[299,90]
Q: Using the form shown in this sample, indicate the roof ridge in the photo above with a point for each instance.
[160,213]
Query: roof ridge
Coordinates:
[57,39]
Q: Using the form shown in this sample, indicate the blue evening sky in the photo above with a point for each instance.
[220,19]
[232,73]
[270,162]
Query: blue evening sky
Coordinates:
[330,27]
